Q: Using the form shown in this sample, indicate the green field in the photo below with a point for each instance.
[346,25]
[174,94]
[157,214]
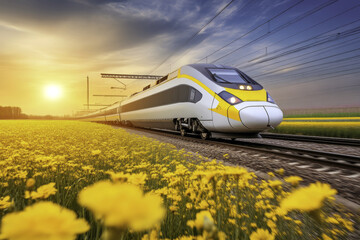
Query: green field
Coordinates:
[345,128]
[308,115]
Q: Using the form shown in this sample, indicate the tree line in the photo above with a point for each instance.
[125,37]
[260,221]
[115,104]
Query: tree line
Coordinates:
[16,113]
[11,113]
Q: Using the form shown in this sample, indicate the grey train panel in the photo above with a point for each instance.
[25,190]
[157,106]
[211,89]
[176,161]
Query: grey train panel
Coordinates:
[181,93]
[162,124]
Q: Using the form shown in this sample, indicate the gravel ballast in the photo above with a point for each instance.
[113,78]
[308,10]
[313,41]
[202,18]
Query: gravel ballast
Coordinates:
[345,182]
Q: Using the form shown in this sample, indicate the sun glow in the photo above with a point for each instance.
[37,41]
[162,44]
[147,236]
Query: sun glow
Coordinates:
[53,92]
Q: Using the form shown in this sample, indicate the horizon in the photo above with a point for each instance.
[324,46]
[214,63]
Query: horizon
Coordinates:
[304,54]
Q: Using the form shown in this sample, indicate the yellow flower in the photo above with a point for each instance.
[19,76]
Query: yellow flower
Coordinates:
[261,234]
[203,205]
[43,191]
[308,198]
[221,236]
[152,236]
[204,221]
[332,220]
[325,237]
[5,202]
[232,221]
[293,180]
[190,223]
[189,206]
[210,176]
[118,177]
[30,183]
[122,205]
[186,238]
[268,193]
[275,184]
[95,152]
[173,208]
[271,174]
[42,221]
[138,179]
[280,171]
[272,226]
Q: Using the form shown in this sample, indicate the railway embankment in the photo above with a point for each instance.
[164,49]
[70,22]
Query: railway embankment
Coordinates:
[344,180]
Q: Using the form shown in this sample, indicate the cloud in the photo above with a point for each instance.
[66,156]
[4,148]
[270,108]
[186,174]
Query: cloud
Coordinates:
[90,29]
[64,40]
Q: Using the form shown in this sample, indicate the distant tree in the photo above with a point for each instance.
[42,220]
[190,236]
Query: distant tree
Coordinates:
[16,113]
[11,113]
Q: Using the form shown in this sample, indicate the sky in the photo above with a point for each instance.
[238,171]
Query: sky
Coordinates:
[305,53]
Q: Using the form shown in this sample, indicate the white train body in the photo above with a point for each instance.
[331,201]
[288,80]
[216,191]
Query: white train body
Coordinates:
[198,98]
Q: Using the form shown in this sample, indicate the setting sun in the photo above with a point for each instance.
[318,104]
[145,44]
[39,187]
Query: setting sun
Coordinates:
[53,92]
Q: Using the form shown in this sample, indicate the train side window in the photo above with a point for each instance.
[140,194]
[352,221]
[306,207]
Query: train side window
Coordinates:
[192,95]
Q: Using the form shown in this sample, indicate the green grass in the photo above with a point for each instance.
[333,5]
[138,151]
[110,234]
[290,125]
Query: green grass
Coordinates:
[326,129]
[353,114]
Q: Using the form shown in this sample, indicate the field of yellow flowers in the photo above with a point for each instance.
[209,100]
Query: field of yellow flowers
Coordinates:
[77,180]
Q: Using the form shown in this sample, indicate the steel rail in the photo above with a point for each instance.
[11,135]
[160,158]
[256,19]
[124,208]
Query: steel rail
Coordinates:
[343,161]
[302,138]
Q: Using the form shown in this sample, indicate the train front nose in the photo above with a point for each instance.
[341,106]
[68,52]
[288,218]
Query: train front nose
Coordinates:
[254,117]
[260,117]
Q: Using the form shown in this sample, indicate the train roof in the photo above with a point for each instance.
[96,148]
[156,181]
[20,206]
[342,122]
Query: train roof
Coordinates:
[201,66]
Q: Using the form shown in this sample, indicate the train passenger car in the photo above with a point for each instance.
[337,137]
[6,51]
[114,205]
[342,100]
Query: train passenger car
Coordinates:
[109,114]
[204,99]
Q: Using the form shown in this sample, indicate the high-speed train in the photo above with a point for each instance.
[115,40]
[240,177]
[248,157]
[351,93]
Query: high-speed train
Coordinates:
[206,99]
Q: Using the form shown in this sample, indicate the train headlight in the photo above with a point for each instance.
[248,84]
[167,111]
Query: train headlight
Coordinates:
[270,99]
[243,87]
[233,100]
[229,98]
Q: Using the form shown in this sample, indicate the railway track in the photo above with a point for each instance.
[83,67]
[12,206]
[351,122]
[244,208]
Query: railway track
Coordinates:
[302,138]
[343,161]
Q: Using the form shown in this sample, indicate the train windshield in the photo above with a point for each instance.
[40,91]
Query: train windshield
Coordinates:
[229,76]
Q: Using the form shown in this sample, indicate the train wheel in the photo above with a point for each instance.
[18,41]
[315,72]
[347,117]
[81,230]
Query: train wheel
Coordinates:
[194,126]
[177,125]
[183,132]
[205,135]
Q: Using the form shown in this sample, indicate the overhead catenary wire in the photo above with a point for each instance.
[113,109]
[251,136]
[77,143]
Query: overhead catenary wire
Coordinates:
[335,70]
[194,35]
[300,64]
[306,29]
[325,39]
[314,76]
[353,59]
[333,47]
[251,30]
[190,48]
[287,67]
[318,8]
[328,90]
[322,92]
[349,32]
[311,78]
